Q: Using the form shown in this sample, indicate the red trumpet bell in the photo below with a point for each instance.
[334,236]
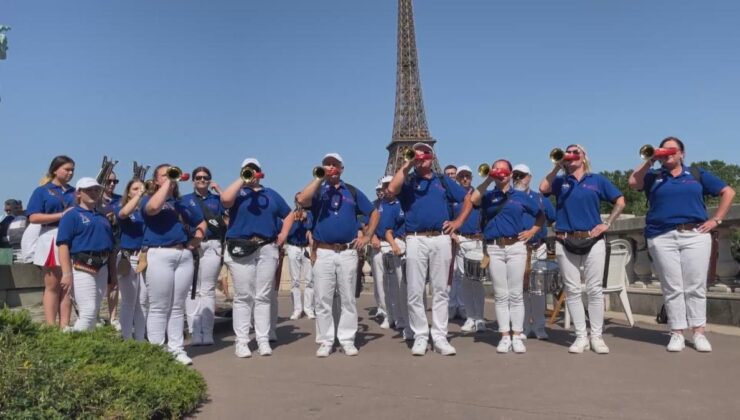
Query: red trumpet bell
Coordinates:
[185,177]
[571,156]
[664,152]
[424,156]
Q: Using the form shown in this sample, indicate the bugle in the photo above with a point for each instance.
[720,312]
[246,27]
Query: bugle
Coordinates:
[557,155]
[248,174]
[649,152]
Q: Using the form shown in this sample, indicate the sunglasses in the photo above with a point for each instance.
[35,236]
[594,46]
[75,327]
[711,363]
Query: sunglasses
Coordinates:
[202,178]
[573,152]
[113,181]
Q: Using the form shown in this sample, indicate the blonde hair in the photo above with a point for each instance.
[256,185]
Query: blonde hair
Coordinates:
[584,157]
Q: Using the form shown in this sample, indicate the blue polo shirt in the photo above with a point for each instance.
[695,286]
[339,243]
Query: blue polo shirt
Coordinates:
[212,202]
[257,213]
[49,199]
[297,235]
[578,202]
[427,203]
[132,228]
[335,212]
[165,227]
[547,208]
[676,200]
[85,231]
[510,219]
[472,223]
[391,217]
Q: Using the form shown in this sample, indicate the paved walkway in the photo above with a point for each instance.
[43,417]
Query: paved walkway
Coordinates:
[639,379]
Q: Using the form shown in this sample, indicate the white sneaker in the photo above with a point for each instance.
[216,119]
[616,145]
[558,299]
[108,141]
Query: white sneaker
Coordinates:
[420,347]
[468,326]
[117,325]
[480,326]
[295,315]
[598,345]
[504,345]
[701,343]
[518,345]
[385,324]
[242,349]
[67,329]
[522,336]
[264,349]
[579,345]
[183,358]
[324,350]
[541,333]
[677,342]
[310,314]
[350,349]
[444,348]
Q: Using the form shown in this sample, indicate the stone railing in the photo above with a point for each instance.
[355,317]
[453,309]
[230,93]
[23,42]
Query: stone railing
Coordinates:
[639,269]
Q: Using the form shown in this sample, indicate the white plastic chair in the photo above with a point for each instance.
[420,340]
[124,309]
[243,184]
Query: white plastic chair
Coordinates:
[617,281]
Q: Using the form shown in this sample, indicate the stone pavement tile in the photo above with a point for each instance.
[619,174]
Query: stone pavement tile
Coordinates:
[639,379]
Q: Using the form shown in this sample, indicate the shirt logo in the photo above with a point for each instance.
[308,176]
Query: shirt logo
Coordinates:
[84,219]
[565,186]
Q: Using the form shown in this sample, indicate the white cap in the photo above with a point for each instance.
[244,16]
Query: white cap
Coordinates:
[464,168]
[334,156]
[253,161]
[522,168]
[378,187]
[386,179]
[86,182]
[425,146]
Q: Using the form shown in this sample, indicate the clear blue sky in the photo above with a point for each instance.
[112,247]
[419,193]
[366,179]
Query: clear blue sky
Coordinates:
[212,82]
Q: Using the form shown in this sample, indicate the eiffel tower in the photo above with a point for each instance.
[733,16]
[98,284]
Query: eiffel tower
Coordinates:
[409,120]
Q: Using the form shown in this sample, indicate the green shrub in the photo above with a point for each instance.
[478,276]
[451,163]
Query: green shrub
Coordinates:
[45,373]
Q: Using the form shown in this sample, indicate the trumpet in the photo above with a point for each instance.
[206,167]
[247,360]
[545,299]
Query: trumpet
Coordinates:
[319,172]
[484,169]
[649,152]
[149,186]
[175,174]
[557,155]
[409,154]
[248,174]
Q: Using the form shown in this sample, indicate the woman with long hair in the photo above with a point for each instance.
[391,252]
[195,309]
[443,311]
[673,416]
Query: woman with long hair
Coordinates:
[169,273]
[677,230]
[47,205]
[130,280]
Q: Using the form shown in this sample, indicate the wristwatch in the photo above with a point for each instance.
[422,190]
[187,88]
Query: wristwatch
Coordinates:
[717,220]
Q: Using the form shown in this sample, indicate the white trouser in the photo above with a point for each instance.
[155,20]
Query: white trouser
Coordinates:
[432,254]
[133,300]
[201,310]
[335,271]
[394,285]
[380,284]
[471,291]
[253,277]
[681,261]
[592,265]
[88,290]
[535,305]
[169,276]
[507,273]
[299,267]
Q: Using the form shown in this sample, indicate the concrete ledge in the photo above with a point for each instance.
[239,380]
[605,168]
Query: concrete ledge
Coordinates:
[722,308]
[20,276]
[22,297]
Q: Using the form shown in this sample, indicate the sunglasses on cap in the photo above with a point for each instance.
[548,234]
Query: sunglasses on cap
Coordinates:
[202,178]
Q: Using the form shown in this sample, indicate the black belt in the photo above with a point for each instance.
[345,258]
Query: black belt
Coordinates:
[503,240]
[102,254]
[333,247]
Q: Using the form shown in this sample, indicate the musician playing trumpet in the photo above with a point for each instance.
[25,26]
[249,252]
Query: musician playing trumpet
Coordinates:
[503,210]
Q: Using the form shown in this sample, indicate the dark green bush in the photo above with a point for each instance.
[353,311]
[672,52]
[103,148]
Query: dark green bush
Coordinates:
[45,373]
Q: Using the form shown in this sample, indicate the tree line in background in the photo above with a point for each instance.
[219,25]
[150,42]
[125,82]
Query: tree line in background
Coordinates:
[637,201]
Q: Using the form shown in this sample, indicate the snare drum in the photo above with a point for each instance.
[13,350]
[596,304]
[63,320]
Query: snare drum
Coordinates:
[472,265]
[544,277]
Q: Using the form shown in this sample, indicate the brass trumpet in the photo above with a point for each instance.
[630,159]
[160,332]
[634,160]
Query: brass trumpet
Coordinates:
[319,172]
[647,151]
[484,169]
[149,186]
[557,155]
[175,173]
[409,154]
[248,174]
